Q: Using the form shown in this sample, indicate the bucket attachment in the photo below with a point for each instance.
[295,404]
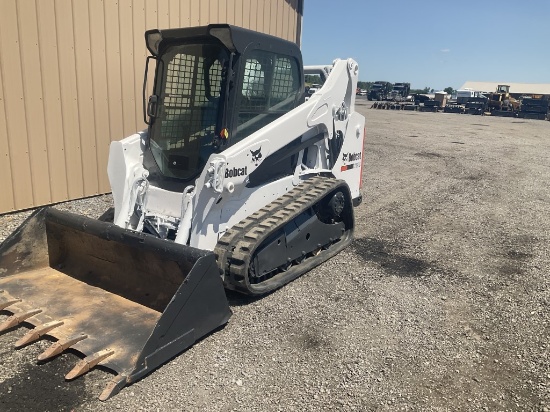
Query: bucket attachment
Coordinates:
[127,301]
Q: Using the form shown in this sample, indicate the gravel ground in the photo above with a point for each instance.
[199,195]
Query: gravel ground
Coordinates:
[440,304]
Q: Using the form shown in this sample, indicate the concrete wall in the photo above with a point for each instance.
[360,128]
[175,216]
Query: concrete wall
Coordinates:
[71,75]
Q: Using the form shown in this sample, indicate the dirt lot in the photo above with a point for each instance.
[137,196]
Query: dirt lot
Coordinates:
[441,303]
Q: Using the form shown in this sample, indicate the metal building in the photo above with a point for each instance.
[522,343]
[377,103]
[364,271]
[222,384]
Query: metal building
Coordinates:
[516,89]
[71,76]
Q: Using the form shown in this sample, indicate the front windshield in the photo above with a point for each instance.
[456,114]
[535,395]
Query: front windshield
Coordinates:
[189,105]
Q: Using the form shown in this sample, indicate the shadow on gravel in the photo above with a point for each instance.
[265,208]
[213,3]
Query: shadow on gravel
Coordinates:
[238,299]
[386,255]
[513,259]
[43,387]
[473,178]
[515,255]
[311,341]
[428,154]
[514,263]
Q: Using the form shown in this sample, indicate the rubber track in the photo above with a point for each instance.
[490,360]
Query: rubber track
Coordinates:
[236,247]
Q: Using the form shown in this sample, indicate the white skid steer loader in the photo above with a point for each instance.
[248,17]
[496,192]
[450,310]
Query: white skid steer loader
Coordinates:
[238,182]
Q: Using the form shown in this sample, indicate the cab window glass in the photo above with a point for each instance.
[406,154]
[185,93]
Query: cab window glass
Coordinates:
[189,106]
[269,89]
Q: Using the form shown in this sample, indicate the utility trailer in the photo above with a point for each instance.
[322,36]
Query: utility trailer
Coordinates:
[476,105]
[454,107]
[430,106]
[535,107]
[503,113]
[463,95]
[385,105]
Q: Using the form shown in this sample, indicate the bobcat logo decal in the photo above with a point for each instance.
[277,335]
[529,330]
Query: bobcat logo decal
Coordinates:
[256,156]
[351,157]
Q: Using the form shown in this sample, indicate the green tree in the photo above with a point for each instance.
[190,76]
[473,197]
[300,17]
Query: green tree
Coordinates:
[449,90]
[364,85]
[421,91]
[312,79]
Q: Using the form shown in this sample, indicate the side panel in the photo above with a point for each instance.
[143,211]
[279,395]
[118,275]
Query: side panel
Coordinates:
[348,167]
[125,159]
[228,212]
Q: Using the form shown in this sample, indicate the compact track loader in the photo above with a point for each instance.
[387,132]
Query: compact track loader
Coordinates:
[238,183]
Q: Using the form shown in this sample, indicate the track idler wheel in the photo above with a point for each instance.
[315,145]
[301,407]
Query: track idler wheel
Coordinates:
[336,204]
[330,209]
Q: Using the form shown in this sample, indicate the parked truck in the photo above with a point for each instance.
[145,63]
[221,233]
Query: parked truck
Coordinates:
[379,90]
[463,95]
[399,92]
[467,101]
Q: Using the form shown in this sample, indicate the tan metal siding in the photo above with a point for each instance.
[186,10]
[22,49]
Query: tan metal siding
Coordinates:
[32,95]
[6,200]
[14,105]
[102,115]
[139,54]
[239,17]
[285,19]
[184,17]
[195,13]
[253,13]
[69,98]
[49,65]
[85,95]
[71,75]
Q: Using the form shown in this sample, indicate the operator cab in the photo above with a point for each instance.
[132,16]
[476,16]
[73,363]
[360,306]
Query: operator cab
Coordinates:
[213,86]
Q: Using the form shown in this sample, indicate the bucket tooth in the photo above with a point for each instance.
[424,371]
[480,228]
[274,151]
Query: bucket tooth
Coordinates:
[37,333]
[5,304]
[88,363]
[113,387]
[59,346]
[16,319]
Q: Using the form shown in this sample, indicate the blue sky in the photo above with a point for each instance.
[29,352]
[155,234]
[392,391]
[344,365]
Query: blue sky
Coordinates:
[435,43]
